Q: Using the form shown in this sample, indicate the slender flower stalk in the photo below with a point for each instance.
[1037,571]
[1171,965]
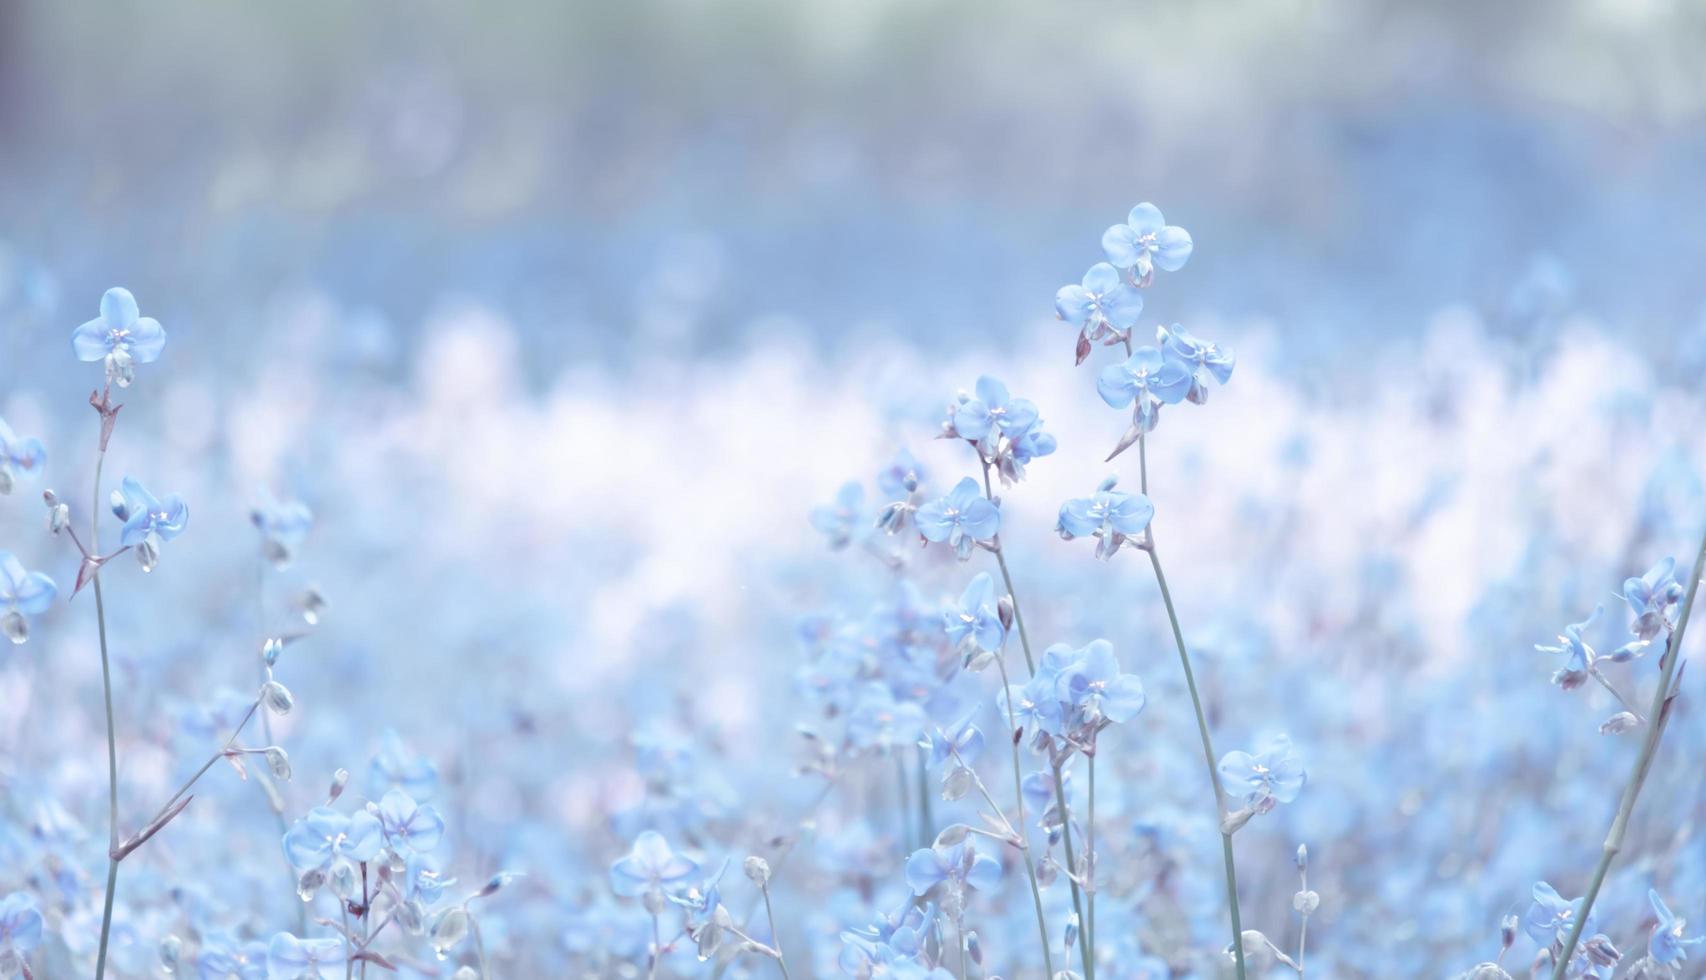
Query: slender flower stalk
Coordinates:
[1025,844]
[1657,715]
[1090,846]
[775,937]
[1059,778]
[1202,723]
[108,414]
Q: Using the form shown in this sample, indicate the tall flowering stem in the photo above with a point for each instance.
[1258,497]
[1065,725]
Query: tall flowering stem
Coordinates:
[1657,715]
[109,414]
[1024,842]
[1202,722]
[1059,777]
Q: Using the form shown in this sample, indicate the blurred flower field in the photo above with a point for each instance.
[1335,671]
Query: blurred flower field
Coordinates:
[740,490]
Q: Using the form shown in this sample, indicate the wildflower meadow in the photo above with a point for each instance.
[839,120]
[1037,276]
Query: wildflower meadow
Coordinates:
[1008,575]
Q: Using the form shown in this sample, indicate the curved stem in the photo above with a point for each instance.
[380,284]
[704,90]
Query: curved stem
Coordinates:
[1202,723]
[775,937]
[112,739]
[1657,715]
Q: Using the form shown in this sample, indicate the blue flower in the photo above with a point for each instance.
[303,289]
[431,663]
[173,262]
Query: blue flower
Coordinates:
[120,336]
[901,477]
[839,521]
[879,720]
[395,766]
[1651,597]
[407,825]
[1146,240]
[325,836]
[960,864]
[961,739]
[962,518]
[977,619]
[1033,705]
[290,958]
[20,928]
[18,457]
[1578,655]
[1096,690]
[1203,358]
[1667,945]
[22,594]
[992,409]
[1108,514]
[1274,775]
[1103,302]
[221,957]
[1550,917]
[282,527]
[1147,378]
[650,866]
[148,521]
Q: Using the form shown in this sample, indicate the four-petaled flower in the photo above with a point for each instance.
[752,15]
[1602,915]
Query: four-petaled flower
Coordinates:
[1109,515]
[20,931]
[1203,358]
[1146,240]
[962,518]
[1103,302]
[961,740]
[1094,688]
[1651,596]
[993,409]
[959,863]
[650,867]
[1578,655]
[120,336]
[1274,775]
[839,521]
[1147,378]
[18,457]
[1550,916]
[1667,946]
[408,826]
[325,836]
[290,958]
[395,765]
[148,521]
[22,594]
[976,619]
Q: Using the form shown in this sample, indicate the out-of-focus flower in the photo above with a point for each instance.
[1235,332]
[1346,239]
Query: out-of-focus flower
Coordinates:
[1651,596]
[961,739]
[959,863]
[1578,655]
[22,594]
[840,520]
[18,457]
[290,958]
[1550,917]
[1667,945]
[1145,241]
[961,518]
[650,866]
[148,521]
[1104,301]
[396,766]
[120,336]
[283,525]
[976,618]
[20,931]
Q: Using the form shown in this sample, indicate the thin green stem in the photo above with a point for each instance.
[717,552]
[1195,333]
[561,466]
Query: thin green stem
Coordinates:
[905,799]
[1202,723]
[112,738]
[657,949]
[1072,871]
[775,937]
[1013,737]
[1657,715]
[1007,579]
[926,832]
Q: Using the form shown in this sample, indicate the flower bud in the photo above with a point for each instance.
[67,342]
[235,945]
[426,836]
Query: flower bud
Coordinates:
[757,870]
[1302,857]
[16,628]
[1235,821]
[148,552]
[309,883]
[1507,930]
[271,650]
[277,698]
[312,604]
[171,954]
[1306,902]
[121,510]
[451,929]
[340,779]
[1619,723]
[278,762]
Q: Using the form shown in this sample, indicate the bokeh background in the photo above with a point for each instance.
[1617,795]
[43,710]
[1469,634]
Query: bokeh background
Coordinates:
[562,317]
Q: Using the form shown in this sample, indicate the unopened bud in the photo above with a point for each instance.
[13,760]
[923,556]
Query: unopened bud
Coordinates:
[1108,483]
[340,779]
[1619,723]
[757,870]
[1004,609]
[148,553]
[451,929]
[278,762]
[1507,930]
[313,605]
[1306,902]
[1303,857]
[271,650]
[121,510]
[277,698]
